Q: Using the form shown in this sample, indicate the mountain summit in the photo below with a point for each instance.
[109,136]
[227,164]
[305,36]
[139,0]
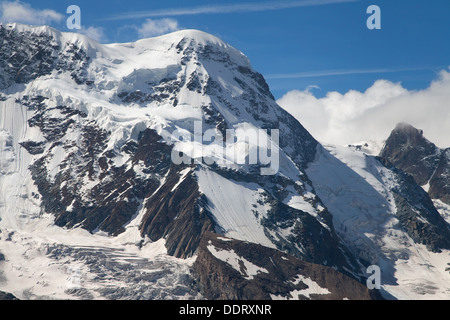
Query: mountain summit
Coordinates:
[408,149]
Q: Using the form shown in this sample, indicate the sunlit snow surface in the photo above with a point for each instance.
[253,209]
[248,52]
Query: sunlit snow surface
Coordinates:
[44,261]
[356,189]
[77,265]
[233,207]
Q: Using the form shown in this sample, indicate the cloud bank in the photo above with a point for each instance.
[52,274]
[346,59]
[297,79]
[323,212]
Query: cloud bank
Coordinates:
[96,33]
[156,27]
[22,12]
[371,115]
[17,11]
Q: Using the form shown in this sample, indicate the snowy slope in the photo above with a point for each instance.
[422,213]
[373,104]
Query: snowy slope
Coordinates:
[235,206]
[53,263]
[357,189]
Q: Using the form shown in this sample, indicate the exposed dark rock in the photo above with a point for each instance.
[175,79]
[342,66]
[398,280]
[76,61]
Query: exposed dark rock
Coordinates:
[75,60]
[440,181]
[136,96]
[194,83]
[26,56]
[318,244]
[435,236]
[308,238]
[259,80]
[177,215]
[116,198]
[155,154]
[417,214]
[53,128]
[7,296]
[167,89]
[280,275]
[69,112]
[33,147]
[407,149]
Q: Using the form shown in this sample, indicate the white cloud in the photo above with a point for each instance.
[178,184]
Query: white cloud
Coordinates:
[17,11]
[152,28]
[371,115]
[96,33]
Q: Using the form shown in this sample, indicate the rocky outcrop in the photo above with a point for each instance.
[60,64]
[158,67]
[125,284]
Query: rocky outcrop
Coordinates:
[117,191]
[25,56]
[440,181]
[176,213]
[7,296]
[318,244]
[417,213]
[236,270]
[408,149]
[435,235]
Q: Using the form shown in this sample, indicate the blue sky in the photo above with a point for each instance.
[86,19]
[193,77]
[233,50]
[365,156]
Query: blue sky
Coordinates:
[294,44]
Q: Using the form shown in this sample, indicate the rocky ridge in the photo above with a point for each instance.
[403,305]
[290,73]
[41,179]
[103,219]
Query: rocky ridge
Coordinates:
[409,150]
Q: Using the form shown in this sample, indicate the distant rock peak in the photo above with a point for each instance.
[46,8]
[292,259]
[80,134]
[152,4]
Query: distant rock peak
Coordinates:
[409,150]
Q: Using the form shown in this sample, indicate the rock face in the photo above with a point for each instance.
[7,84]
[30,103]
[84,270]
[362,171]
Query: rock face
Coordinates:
[408,149]
[236,270]
[440,181]
[418,162]
[39,55]
[7,296]
[417,214]
[178,215]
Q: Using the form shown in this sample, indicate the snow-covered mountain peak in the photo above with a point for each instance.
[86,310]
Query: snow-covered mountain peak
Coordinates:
[184,45]
[58,36]
[199,38]
[19,27]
